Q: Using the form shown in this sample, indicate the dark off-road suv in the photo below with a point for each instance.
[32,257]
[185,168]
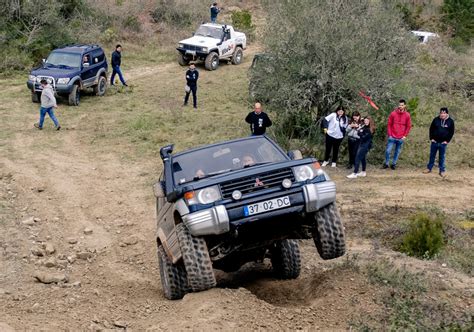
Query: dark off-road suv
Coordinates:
[70,70]
[222,205]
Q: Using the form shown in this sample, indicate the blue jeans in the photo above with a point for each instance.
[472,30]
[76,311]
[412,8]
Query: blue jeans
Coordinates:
[398,142]
[116,70]
[213,19]
[435,147]
[50,112]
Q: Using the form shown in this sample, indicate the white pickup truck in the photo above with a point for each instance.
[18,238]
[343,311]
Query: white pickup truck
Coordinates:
[213,42]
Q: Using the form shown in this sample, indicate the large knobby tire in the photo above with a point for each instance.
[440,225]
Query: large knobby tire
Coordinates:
[196,260]
[328,232]
[182,60]
[35,97]
[286,261]
[238,56]
[101,86]
[212,61]
[74,96]
[173,276]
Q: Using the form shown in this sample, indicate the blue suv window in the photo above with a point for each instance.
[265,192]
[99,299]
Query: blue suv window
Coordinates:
[60,59]
[98,56]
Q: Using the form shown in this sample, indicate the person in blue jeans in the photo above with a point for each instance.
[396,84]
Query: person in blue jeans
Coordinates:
[48,101]
[441,133]
[116,62]
[398,128]
[365,133]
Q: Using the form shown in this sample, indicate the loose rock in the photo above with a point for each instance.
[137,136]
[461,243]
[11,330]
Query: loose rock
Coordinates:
[120,324]
[50,262]
[49,278]
[71,240]
[28,222]
[130,240]
[49,248]
[88,231]
[37,251]
[84,255]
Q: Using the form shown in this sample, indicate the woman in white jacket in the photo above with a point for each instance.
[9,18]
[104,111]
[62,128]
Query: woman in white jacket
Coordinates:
[334,127]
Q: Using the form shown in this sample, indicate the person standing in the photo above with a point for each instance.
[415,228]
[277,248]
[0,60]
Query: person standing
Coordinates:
[353,138]
[398,128]
[365,132]
[441,133]
[334,127]
[258,120]
[116,63]
[192,75]
[214,11]
[48,101]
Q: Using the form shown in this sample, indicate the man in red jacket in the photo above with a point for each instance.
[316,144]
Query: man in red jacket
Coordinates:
[398,128]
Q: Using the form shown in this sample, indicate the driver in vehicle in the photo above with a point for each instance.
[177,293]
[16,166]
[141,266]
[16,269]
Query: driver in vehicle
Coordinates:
[85,59]
[247,160]
[199,174]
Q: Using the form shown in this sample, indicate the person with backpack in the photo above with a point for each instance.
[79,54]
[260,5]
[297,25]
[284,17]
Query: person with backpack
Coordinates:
[353,138]
[365,132]
[334,127]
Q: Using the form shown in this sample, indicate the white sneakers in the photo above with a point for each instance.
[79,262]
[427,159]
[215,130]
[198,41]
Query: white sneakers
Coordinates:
[358,175]
[333,164]
[325,163]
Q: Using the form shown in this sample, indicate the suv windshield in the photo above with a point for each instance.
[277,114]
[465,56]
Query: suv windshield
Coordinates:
[224,158]
[213,32]
[64,59]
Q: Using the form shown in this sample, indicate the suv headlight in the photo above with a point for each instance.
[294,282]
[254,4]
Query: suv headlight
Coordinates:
[63,80]
[307,172]
[203,196]
[205,49]
[32,78]
[181,45]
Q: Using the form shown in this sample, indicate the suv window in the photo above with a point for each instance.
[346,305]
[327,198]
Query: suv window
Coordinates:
[224,158]
[213,32]
[98,56]
[58,59]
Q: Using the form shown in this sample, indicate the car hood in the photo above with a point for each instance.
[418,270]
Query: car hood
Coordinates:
[201,41]
[55,72]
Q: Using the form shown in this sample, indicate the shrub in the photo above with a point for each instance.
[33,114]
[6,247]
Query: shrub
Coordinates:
[424,238]
[242,21]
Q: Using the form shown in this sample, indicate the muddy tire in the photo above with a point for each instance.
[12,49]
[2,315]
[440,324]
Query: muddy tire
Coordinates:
[182,60]
[212,61]
[173,276]
[196,260]
[238,56]
[101,86]
[75,96]
[35,97]
[328,233]
[286,261]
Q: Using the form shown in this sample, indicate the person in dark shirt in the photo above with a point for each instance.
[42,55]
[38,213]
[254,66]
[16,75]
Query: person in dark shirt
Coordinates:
[441,133]
[214,11]
[365,133]
[258,120]
[116,62]
[192,75]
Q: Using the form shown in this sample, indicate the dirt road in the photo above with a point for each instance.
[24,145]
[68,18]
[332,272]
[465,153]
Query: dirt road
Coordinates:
[93,211]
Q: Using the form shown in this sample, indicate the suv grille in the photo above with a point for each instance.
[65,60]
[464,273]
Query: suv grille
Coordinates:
[192,48]
[250,184]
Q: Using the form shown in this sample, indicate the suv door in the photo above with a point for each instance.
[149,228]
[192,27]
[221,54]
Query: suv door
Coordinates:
[89,70]
[226,49]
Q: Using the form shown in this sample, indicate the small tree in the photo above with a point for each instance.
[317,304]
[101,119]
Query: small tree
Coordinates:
[458,18]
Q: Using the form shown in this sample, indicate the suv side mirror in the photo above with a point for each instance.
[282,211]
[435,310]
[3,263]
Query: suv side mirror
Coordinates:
[44,60]
[86,64]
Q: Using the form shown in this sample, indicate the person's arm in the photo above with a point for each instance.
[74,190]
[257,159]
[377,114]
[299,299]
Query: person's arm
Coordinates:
[197,75]
[389,125]
[248,118]
[451,131]
[432,129]
[408,125]
[268,122]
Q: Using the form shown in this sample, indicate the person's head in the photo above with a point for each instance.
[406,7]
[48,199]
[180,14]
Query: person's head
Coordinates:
[192,66]
[199,173]
[355,117]
[340,111]
[369,122]
[443,113]
[247,160]
[258,108]
[214,3]
[402,105]
[118,48]
[43,82]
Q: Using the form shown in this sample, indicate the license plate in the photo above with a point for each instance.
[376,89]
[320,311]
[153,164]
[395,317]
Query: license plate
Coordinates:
[272,204]
[191,52]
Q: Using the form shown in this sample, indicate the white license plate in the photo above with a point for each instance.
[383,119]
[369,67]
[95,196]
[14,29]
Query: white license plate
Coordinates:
[191,52]
[272,204]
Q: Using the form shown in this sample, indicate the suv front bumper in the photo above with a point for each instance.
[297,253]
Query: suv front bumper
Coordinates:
[58,88]
[216,220]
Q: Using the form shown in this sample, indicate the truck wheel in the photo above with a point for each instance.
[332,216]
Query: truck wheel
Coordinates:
[328,233]
[182,60]
[238,56]
[212,61]
[286,261]
[35,97]
[74,96]
[101,86]
[173,276]
[196,260]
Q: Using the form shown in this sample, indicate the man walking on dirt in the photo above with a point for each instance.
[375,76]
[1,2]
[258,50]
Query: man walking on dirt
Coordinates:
[214,11]
[441,133]
[48,101]
[116,62]
[258,120]
[192,75]
[398,128]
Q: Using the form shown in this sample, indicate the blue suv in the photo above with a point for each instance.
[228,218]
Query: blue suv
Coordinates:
[70,70]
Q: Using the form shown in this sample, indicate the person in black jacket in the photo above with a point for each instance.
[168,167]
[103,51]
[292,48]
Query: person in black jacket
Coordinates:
[116,62]
[365,133]
[258,120]
[192,75]
[214,11]
[441,133]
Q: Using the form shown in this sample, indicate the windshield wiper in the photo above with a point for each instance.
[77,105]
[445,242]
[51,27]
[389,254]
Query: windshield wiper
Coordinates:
[211,174]
[256,164]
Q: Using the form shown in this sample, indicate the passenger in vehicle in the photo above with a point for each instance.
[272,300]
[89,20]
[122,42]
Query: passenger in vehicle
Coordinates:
[248,160]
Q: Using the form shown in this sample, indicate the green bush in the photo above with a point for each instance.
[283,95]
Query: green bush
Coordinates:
[424,238]
[242,21]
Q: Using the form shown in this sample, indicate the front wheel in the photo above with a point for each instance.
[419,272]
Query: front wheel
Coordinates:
[173,276]
[238,56]
[74,96]
[101,86]
[182,60]
[328,232]
[286,261]
[212,61]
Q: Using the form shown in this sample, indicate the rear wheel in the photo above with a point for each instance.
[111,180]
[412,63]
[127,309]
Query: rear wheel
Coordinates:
[35,97]
[74,96]
[101,86]
[182,60]
[173,276]
[328,233]
[286,261]
[196,260]
[238,56]
[212,61]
